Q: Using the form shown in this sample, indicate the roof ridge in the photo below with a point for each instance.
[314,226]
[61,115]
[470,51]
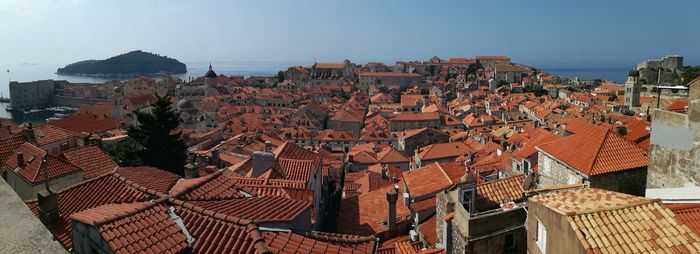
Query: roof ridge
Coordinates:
[207,179]
[147,205]
[612,208]
[599,148]
[444,173]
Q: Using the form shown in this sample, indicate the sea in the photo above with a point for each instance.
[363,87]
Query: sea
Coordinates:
[25,72]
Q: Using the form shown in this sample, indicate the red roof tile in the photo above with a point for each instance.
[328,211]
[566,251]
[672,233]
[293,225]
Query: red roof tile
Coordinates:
[366,213]
[91,159]
[491,194]
[259,209]
[688,214]
[33,171]
[48,134]
[429,231]
[89,194]
[150,177]
[135,227]
[86,123]
[596,150]
[428,180]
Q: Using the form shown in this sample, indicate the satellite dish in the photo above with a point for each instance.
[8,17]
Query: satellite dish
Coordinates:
[529,181]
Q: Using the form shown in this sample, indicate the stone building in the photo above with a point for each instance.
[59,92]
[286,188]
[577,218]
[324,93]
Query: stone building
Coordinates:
[410,140]
[633,88]
[486,61]
[32,95]
[671,62]
[509,73]
[367,79]
[331,73]
[594,156]
[674,165]
[414,120]
[482,218]
[598,221]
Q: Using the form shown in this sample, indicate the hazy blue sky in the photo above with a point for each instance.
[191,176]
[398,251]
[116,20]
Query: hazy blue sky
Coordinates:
[547,34]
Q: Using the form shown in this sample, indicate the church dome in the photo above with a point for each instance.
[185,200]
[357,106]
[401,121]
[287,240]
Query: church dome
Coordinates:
[210,73]
[184,104]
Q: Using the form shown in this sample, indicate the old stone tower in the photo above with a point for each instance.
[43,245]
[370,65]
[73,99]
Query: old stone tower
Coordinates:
[210,83]
[633,89]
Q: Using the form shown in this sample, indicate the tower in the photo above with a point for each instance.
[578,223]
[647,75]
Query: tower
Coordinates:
[632,89]
[118,105]
[210,82]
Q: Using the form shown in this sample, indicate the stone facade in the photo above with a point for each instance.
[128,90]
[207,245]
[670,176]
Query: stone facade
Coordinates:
[553,172]
[675,147]
[410,144]
[32,95]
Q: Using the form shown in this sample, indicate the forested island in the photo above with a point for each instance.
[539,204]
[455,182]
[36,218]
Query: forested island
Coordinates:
[134,63]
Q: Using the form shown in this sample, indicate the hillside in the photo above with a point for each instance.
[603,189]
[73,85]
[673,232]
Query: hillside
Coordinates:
[134,63]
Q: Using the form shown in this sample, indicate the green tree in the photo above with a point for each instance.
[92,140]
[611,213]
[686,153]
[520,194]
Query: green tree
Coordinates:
[612,98]
[280,76]
[161,146]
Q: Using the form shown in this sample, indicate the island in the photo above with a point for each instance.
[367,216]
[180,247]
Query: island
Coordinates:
[134,63]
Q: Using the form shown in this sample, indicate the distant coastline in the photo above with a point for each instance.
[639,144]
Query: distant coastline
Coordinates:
[617,75]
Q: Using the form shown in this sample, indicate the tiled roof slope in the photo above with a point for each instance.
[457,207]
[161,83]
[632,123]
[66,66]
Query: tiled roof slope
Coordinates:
[491,194]
[364,214]
[639,229]
[99,191]
[33,170]
[259,209]
[611,222]
[596,150]
[48,134]
[150,177]
[91,159]
[218,187]
[8,145]
[287,242]
[135,227]
[429,231]
[217,233]
[688,214]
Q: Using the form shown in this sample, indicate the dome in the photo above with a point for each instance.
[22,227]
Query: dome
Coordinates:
[634,73]
[184,104]
[210,73]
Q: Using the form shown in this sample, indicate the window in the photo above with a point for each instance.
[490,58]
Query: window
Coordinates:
[541,238]
[467,196]
[526,166]
[509,242]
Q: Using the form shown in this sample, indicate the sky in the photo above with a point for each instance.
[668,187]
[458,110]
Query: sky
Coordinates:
[542,33]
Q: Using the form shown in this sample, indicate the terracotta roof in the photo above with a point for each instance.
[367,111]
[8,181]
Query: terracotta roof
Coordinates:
[259,209]
[416,116]
[48,134]
[444,150]
[210,188]
[429,231]
[102,190]
[287,242]
[688,214]
[539,137]
[389,74]
[86,123]
[91,159]
[433,178]
[150,177]
[33,171]
[586,200]
[217,233]
[9,144]
[366,213]
[596,150]
[680,106]
[491,194]
[143,227]
[606,221]
[332,135]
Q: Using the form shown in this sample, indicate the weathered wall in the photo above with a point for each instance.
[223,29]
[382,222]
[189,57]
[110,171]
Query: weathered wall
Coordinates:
[560,236]
[632,181]
[72,101]
[482,226]
[675,146]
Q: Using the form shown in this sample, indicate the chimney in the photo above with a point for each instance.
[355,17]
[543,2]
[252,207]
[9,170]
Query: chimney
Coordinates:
[621,130]
[47,200]
[268,146]
[391,197]
[48,206]
[262,161]
[20,159]
[215,157]
[191,171]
